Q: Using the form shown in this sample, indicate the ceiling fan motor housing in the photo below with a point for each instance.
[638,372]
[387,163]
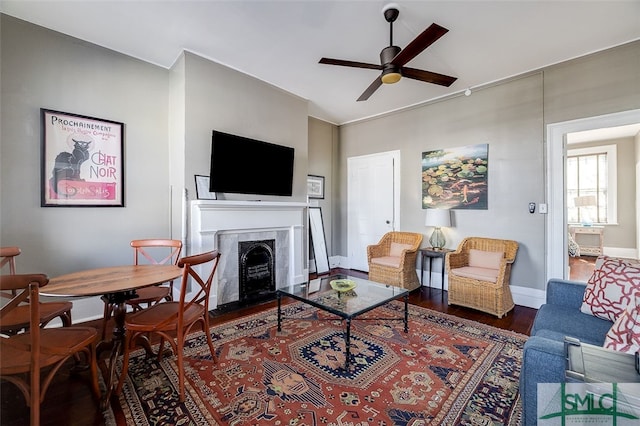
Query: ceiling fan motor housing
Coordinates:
[390,72]
[387,54]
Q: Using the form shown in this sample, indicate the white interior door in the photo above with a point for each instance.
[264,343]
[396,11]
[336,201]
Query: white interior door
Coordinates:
[373,207]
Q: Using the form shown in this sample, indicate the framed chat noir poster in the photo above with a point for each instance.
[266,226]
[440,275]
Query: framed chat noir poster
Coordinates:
[82,161]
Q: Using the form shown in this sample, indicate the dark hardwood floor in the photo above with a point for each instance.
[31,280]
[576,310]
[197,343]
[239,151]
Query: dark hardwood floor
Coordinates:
[581,268]
[69,401]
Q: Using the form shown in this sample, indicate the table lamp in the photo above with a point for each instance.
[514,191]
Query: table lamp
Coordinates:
[583,204]
[438,218]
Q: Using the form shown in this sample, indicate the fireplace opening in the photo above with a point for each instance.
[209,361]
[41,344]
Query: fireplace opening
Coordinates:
[256,262]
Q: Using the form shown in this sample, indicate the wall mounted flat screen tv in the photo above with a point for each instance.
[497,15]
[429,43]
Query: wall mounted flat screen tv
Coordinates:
[242,165]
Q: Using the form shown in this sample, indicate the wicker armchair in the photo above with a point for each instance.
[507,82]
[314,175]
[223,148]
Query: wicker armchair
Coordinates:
[393,260]
[479,277]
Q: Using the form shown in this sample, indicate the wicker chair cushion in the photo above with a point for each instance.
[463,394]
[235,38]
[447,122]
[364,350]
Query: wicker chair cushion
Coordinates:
[396,249]
[392,261]
[485,259]
[476,273]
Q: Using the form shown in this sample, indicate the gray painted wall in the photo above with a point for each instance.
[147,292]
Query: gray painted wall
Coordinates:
[220,98]
[213,96]
[42,68]
[593,85]
[511,117]
[507,118]
[323,151]
[168,116]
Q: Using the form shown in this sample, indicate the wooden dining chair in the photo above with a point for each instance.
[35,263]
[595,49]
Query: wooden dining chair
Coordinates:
[176,318]
[30,360]
[8,257]
[148,252]
[19,319]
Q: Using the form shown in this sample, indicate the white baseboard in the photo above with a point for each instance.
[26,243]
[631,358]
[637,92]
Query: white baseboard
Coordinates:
[530,297]
[436,280]
[339,262]
[522,296]
[629,253]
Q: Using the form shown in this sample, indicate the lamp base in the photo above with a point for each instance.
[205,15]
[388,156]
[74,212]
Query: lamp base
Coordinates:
[437,239]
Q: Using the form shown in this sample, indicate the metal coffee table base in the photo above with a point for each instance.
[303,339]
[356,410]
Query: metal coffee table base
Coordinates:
[347,338]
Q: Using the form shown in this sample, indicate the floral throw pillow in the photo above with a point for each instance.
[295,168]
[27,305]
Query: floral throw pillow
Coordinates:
[611,287]
[624,336]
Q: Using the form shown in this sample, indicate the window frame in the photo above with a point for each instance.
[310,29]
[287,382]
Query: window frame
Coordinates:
[612,177]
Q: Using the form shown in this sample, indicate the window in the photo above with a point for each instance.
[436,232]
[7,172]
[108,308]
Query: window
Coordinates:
[591,185]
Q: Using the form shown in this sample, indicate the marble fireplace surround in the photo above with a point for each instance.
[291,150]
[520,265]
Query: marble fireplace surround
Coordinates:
[220,224]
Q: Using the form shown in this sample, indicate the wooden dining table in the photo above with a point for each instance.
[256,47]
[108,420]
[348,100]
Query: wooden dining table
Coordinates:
[117,284]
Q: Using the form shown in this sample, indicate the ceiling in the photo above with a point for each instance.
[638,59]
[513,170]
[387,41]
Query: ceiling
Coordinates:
[604,134]
[280,42]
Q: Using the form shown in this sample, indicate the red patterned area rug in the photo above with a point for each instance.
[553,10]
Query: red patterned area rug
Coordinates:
[444,371]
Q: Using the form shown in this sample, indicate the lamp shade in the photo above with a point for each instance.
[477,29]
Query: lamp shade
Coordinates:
[585,201]
[438,218]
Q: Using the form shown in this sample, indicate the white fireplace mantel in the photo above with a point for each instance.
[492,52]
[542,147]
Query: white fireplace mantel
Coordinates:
[211,218]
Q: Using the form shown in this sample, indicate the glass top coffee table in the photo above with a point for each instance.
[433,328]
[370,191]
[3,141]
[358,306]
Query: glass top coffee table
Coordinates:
[343,301]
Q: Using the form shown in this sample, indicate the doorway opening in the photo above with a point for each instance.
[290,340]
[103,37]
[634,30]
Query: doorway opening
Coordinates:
[557,235]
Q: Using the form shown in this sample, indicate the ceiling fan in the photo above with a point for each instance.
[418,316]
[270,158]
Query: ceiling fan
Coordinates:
[392,58]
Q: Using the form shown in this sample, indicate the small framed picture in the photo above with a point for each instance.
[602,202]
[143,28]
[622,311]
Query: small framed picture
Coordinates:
[202,188]
[315,186]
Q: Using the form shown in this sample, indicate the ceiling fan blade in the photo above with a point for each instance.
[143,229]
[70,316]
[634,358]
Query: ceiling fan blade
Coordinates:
[354,64]
[428,76]
[424,40]
[372,88]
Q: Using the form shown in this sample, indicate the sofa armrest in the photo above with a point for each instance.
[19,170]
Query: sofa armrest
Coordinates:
[543,361]
[565,293]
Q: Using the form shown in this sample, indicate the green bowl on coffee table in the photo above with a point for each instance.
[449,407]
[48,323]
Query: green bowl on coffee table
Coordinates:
[342,285]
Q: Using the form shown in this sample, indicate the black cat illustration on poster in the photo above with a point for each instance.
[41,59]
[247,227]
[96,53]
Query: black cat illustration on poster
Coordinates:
[67,164]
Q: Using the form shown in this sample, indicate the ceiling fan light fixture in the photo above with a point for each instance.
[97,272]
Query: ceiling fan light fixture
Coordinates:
[390,76]
[393,58]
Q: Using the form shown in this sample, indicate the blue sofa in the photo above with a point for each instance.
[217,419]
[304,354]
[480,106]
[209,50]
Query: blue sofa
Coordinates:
[543,360]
